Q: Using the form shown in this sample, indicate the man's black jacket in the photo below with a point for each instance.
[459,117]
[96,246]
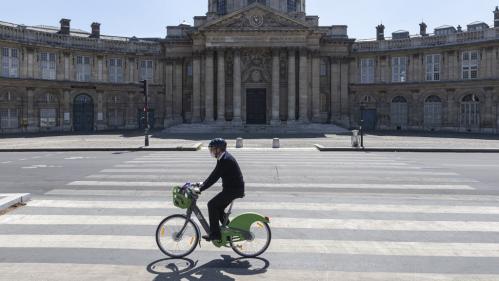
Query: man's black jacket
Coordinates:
[232,178]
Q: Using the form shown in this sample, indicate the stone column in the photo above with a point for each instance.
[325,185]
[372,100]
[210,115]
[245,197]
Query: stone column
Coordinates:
[178,89]
[131,114]
[291,86]
[66,112]
[275,87]
[196,89]
[303,95]
[209,87]
[221,86]
[32,120]
[168,94]
[316,64]
[344,68]
[335,90]
[101,119]
[237,88]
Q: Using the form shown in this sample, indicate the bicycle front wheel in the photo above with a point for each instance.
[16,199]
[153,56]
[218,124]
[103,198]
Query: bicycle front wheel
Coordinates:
[173,243]
[257,244]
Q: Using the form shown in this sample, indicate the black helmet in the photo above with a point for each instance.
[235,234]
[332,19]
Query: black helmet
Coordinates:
[218,143]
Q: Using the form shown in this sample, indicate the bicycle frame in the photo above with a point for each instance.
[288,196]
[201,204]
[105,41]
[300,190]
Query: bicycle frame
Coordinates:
[228,233]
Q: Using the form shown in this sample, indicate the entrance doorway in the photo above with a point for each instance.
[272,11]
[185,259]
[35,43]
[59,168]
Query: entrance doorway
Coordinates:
[256,106]
[83,114]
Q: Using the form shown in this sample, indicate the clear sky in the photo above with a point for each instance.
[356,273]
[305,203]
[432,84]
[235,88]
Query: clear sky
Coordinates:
[148,18]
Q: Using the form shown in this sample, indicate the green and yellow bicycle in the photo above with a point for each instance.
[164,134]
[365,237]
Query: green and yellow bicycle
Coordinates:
[178,235]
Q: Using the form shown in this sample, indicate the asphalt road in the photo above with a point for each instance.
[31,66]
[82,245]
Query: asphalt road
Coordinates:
[334,216]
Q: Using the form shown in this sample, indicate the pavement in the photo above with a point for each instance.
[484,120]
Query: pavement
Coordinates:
[334,216]
[132,140]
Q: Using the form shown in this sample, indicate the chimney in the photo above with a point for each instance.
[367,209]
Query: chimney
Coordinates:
[459,28]
[95,30]
[380,32]
[422,29]
[65,26]
[496,17]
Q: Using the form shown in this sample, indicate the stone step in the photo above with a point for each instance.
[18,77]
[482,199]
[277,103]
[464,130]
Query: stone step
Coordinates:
[228,128]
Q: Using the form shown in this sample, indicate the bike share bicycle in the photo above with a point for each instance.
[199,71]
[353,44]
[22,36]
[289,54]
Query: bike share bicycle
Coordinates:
[178,235]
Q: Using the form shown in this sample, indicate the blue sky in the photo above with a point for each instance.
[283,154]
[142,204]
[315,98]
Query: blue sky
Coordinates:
[148,18]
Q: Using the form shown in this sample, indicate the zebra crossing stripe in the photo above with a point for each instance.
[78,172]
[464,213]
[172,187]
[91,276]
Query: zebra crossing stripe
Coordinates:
[337,170]
[382,248]
[280,185]
[392,208]
[276,222]
[60,271]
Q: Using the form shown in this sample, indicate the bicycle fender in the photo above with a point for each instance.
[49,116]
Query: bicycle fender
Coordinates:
[245,221]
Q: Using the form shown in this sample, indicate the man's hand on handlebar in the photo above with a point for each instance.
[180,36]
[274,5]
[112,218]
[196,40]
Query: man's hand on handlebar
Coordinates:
[197,187]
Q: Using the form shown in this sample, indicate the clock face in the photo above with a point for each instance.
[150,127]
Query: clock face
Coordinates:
[256,20]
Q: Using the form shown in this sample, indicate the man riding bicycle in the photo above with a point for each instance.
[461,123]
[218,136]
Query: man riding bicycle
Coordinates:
[228,169]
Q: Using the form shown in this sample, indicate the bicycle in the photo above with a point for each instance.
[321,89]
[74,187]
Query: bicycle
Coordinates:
[177,236]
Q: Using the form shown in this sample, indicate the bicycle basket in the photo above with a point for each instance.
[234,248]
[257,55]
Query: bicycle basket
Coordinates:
[180,200]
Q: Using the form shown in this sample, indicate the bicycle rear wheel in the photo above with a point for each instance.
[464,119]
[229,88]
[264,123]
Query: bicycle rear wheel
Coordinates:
[173,243]
[257,244]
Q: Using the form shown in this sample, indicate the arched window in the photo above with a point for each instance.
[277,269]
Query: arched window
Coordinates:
[470,112]
[221,7]
[432,112]
[292,6]
[399,112]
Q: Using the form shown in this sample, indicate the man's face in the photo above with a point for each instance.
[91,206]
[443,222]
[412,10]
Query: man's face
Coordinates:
[215,152]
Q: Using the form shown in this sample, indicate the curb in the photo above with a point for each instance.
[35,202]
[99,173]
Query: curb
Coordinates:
[12,199]
[195,147]
[408,149]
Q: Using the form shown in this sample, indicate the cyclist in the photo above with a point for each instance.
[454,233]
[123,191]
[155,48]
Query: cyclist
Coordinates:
[232,183]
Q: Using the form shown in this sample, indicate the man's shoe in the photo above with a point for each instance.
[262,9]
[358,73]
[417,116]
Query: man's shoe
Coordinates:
[212,237]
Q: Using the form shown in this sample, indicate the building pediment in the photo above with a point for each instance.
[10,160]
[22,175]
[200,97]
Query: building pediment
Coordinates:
[254,18]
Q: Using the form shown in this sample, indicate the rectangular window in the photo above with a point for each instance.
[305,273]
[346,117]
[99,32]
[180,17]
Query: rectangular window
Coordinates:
[470,65]
[433,68]
[323,69]
[48,66]
[82,68]
[48,117]
[10,63]
[116,70]
[146,70]
[291,6]
[366,71]
[9,118]
[399,69]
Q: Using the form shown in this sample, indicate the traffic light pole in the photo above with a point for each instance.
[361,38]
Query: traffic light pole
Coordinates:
[146,111]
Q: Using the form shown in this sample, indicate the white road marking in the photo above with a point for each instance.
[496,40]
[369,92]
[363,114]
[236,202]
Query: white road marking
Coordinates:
[276,222]
[336,178]
[383,208]
[383,248]
[282,185]
[337,170]
[91,272]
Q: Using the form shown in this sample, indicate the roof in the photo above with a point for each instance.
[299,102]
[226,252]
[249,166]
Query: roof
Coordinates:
[73,32]
[445,27]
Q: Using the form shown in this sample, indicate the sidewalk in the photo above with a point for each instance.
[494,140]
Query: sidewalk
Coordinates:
[389,141]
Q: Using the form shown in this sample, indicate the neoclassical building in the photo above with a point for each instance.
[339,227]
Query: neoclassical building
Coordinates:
[250,62]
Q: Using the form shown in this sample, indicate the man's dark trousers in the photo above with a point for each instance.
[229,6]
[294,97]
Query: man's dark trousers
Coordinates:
[216,209]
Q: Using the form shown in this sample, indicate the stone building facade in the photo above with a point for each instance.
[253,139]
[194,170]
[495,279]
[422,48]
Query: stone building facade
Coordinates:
[250,62]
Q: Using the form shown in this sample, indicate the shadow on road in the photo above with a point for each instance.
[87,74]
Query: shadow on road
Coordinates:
[186,269]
